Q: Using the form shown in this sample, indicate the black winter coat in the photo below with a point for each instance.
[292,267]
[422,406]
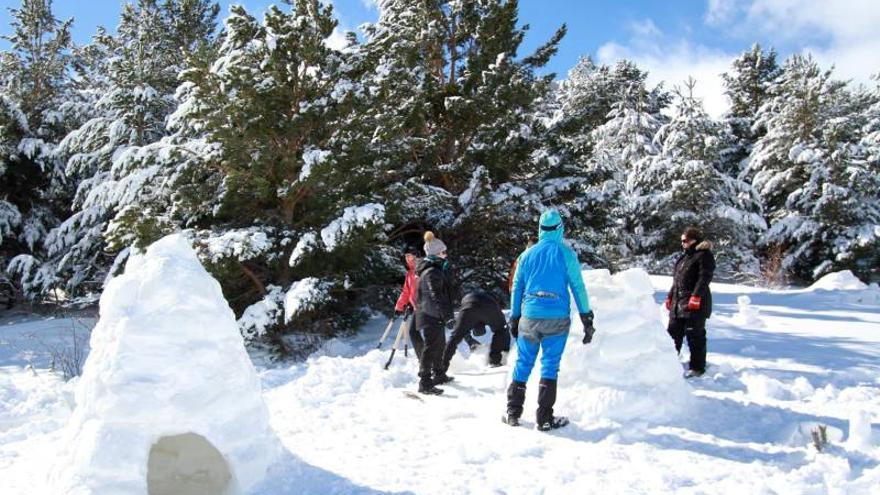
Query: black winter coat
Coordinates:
[691,277]
[436,292]
[480,306]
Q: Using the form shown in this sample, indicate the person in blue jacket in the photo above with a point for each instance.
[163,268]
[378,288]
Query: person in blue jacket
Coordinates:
[539,318]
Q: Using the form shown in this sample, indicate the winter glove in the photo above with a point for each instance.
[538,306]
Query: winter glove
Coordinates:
[694,303]
[514,327]
[450,323]
[589,329]
[479,331]
[668,304]
[397,313]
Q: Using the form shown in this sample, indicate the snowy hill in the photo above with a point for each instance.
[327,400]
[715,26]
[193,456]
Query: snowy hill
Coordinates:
[781,363]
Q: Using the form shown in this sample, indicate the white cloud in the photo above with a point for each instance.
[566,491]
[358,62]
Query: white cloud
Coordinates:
[843,34]
[337,40]
[672,61]
[720,11]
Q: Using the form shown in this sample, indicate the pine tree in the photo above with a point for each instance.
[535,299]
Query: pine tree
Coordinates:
[34,88]
[682,185]
[623,146]
[590,191]
[746,86]
[455,127]
[817,192]
[141,62]
[280,202]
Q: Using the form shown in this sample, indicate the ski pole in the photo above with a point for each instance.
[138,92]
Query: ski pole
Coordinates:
[387,331]
[404,327]
[394,347]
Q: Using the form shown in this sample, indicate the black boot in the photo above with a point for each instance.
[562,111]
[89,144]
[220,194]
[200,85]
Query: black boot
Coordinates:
[428,388]
[516,396]
[546,399]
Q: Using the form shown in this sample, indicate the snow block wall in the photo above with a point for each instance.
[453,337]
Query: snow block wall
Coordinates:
[169,401]
[630,370]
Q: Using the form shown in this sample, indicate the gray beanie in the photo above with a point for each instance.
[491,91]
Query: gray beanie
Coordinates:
[433,246]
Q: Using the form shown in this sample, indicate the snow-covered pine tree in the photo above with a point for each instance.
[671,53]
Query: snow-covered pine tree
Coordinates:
[682,185]
[746,87]
[586,189]
[152,42]
[34,88]
[816,190]
[622,147]
[454,125]
[281,205]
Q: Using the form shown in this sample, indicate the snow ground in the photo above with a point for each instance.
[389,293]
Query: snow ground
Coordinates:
[780,364]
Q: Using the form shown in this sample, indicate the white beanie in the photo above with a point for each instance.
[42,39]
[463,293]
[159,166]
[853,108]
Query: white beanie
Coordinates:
[433,246]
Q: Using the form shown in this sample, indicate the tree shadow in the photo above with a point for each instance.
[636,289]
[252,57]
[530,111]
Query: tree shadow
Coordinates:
[824,352]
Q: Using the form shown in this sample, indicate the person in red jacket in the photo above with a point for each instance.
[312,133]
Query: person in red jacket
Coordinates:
[406,302]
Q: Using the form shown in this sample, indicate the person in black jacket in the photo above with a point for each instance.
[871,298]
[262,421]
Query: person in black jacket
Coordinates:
[478,309]
[689,301]
[434,311]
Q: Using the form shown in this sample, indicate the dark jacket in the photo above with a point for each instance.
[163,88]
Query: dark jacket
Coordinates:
[480,306]
[435,292]
[691,277]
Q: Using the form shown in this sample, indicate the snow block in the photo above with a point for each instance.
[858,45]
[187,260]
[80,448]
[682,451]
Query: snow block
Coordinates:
[630,370]
[169,401]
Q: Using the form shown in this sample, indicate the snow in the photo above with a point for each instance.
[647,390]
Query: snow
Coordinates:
[353,217]
[306,243]
[303,295]
[262,314]
[844,280]
[347,427]
[312,157]
[166,359]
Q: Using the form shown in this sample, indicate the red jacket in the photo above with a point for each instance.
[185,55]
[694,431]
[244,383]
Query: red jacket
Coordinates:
[410,284]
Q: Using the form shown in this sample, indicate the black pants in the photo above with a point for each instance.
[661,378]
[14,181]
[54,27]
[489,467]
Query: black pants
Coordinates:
[418,342]
[465,322]
[694,329]
[432,352]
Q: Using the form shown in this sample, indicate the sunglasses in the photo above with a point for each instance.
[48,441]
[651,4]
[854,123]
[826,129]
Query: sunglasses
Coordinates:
[685,240]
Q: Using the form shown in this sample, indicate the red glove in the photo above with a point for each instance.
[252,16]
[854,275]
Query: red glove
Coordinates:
[668,304]
[694,303]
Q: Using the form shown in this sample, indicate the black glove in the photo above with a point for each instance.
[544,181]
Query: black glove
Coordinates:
[479,331]
[450,323]
[514,327]
[589,329]
[397,313]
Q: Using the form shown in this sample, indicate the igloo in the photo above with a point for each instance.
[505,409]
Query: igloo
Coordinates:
[630,370]
[169,402]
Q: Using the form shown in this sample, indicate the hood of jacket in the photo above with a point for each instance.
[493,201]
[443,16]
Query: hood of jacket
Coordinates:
[550,219]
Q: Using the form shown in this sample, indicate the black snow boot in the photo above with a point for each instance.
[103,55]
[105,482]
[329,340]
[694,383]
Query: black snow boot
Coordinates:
[427,388]
[442,378]
[546,399]
[516,396]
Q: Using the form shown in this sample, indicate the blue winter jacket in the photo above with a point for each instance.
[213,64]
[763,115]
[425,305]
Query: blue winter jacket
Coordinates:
[544,275]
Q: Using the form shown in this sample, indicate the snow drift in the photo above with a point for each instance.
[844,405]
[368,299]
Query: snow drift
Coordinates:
[630,370]
[169,401]
[844,280]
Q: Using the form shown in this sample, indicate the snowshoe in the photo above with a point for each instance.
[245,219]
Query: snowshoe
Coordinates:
[554,423]
[432,390]
[510,420]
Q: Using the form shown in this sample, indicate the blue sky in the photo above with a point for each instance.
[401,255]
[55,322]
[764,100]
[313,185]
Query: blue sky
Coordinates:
[672,38]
